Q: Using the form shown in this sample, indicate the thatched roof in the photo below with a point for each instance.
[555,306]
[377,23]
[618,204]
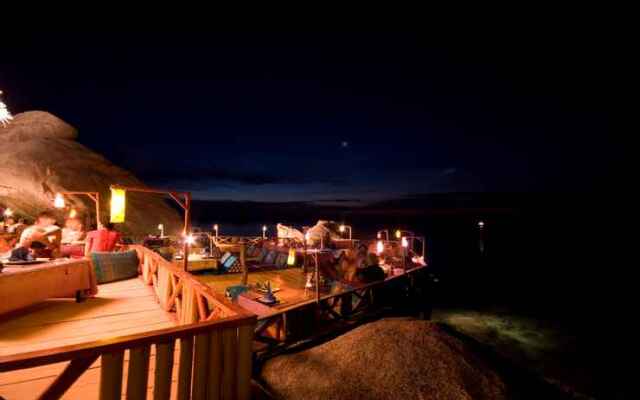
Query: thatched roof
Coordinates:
[387,359]
[41,157]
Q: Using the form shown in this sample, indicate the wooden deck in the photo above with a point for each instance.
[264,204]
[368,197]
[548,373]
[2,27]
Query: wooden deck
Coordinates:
[289,281]
[120,308]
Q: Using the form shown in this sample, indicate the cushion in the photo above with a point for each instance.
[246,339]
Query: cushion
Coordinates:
[115,266]
[281,260]
[270,259]
[225,257]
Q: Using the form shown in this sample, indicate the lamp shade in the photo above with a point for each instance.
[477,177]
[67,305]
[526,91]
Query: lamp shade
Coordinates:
[291,260]
[118,205]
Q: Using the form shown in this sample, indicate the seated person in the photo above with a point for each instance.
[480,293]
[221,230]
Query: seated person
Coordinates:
[105,238]
[73,231]
[46,233]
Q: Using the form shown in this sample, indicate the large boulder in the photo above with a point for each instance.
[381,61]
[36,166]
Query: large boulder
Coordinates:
[41,157]
[386,359]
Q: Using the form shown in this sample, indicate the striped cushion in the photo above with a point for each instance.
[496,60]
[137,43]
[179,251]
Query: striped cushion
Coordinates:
[111,267]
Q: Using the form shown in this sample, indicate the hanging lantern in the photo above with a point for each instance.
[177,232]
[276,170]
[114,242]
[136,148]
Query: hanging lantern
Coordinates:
[73,213]
[58,202]
[379,235]
[190,240]
[291,260]
[398,234]
[341,228]
[405,242]
[118,203]
[379,247]
[5,115]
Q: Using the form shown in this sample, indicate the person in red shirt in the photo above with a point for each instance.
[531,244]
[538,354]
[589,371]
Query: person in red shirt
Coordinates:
[105,238]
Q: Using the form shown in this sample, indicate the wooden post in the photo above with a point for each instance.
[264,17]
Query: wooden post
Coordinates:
[164,366]
[245,271]
[243,376]
[187,227]
[200,367]
[229,348]
[215,365]
[111,376]
[138,376]
[184,371]
[98,209]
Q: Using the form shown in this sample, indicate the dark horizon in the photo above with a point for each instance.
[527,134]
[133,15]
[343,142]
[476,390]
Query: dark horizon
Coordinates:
[332,119]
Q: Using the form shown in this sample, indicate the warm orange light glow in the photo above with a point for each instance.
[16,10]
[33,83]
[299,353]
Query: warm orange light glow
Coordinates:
[379,247]
[291,260]
[379,235]
[480,224]
[73,213]
[58,202]
[398,234]
[405,242]
[8,212]
[215,227]
[190,239]
[341,228]
[118,205]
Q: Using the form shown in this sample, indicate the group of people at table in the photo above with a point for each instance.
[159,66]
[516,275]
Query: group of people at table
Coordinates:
[45,239]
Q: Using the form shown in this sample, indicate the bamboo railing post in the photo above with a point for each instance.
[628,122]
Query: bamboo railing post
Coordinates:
[185,368]
[243,376]
[164,366]
[215,365]
[111,375]
[138,375]
[200,367]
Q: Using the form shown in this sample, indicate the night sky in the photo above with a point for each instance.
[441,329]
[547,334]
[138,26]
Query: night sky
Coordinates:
[332,118]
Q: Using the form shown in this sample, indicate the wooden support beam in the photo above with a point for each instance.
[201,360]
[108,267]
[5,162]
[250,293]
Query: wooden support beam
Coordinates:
[138,375]
[68,377]
[215,366]
[111,375]
[200,367]
[164,366]
[185,368]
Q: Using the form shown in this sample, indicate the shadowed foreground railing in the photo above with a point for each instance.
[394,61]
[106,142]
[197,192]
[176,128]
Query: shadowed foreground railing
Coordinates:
[214,362]
[214,342]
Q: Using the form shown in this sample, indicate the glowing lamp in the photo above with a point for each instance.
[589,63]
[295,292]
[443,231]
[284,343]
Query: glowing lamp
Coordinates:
[291,260]
[58,202]
[264,228]
[480,224]
[405,242]
[189,240]
[161,229]
[379,235]
[8,212]
[341,228]
[307,236]
[118,203]
[5,115]
[73,213]
[379,247]
[398,234]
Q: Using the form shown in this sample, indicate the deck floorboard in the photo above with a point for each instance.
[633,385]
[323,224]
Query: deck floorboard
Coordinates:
[120,308]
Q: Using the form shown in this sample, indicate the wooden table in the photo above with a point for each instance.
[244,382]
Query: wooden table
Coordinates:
[22,286]
[198,264]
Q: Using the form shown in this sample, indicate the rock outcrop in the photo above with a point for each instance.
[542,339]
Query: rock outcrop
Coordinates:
[40,157]
[386,359]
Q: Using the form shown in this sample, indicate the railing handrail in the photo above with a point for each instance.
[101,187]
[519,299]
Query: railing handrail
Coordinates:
[205,290]
[97,347]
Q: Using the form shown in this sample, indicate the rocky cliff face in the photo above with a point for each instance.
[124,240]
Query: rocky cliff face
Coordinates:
[40,157]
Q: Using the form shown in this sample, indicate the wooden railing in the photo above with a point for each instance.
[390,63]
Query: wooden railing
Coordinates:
[180,292]
[214,362]
[214,343]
